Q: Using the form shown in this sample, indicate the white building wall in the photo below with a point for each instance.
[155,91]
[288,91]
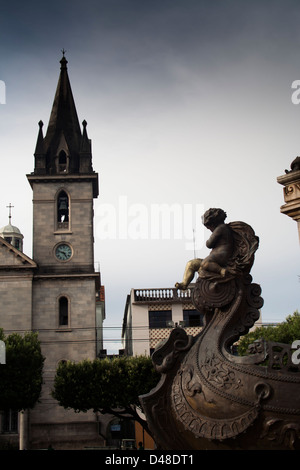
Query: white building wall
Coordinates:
[140,329]
[177,313]
[138,338]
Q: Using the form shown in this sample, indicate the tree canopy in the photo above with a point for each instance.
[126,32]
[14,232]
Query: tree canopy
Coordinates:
[105,385]
[21,377]
[285,332]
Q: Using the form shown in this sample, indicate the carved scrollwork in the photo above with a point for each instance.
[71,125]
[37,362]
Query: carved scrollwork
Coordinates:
[217,373]
[282,432]
[211,294]
[209,427]
[289,189]
[263,391]
[280,357]
[166,355]
[253,296]
[190,381]
[258,347]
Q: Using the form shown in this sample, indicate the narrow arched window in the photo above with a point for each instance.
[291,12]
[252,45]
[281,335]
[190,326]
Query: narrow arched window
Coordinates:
[63,210]
[63,306]
[62,162]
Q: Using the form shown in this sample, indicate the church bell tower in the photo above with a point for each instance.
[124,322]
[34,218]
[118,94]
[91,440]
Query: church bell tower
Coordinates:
[65,283]
[64,185]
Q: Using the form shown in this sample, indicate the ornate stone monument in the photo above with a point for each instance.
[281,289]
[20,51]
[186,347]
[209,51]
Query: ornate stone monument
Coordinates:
[291,192]
[208,397]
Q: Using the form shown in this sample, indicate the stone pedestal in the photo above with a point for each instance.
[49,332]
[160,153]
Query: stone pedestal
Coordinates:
[291,192]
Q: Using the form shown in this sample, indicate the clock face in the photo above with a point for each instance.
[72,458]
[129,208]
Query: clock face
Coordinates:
[63,252]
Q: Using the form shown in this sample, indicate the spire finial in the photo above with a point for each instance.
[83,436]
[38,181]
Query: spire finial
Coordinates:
[9,212]
[63,60]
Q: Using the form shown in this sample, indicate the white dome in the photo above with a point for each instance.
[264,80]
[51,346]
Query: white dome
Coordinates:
[12,235]
[10,229]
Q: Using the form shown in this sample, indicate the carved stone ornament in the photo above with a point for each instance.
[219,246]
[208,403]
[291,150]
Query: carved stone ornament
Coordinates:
[209,398]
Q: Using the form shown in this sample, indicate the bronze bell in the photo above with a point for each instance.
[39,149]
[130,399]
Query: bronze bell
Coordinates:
[63,205]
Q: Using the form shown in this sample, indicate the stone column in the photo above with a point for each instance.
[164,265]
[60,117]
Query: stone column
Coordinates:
[24,430]
[291,192]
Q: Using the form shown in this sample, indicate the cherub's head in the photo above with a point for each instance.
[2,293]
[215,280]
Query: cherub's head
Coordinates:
[213,217]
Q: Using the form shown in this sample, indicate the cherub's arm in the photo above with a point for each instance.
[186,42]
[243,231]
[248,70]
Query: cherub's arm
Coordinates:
[215,236]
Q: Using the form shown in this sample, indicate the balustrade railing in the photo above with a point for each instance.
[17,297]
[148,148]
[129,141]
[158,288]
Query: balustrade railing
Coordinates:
[168,294]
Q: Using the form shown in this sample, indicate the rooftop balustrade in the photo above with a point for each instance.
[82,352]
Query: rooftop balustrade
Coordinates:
[168,294]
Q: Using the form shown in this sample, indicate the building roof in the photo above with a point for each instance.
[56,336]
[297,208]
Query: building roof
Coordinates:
[12,258]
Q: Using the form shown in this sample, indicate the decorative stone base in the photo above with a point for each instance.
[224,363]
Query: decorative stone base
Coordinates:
[291,194]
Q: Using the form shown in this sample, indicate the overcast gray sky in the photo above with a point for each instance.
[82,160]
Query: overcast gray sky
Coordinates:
[188,104]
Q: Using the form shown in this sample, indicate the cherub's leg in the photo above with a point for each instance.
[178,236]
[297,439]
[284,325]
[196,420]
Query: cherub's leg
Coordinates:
[190,269]
[214,267]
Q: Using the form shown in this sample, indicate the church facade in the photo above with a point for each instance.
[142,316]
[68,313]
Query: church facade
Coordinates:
[55,292]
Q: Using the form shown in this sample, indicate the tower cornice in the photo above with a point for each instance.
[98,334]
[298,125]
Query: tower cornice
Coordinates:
[93,177]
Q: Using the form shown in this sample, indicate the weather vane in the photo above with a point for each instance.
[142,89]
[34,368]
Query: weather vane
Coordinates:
[63,51]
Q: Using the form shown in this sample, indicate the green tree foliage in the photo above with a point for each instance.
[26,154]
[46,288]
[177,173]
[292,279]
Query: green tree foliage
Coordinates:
[285,332]
[106,385]
[21,377]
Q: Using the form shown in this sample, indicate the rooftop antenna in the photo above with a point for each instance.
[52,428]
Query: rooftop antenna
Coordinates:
[194,244]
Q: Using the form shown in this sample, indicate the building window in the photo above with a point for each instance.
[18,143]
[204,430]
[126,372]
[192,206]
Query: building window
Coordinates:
[63,305]
[192,318]
[10,421]
[159,318]
[63,210]
[62,162]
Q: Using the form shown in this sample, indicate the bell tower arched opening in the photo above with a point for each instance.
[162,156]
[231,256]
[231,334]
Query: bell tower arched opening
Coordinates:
[62,162]
[63,210]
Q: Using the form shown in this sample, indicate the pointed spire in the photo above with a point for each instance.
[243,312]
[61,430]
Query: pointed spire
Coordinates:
[65,149]
[63,118]
[39,148]
[85,141]
[40,153]
[85,151]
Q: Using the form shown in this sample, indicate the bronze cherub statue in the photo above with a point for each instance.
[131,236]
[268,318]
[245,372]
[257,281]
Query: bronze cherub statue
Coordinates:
[232,248]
